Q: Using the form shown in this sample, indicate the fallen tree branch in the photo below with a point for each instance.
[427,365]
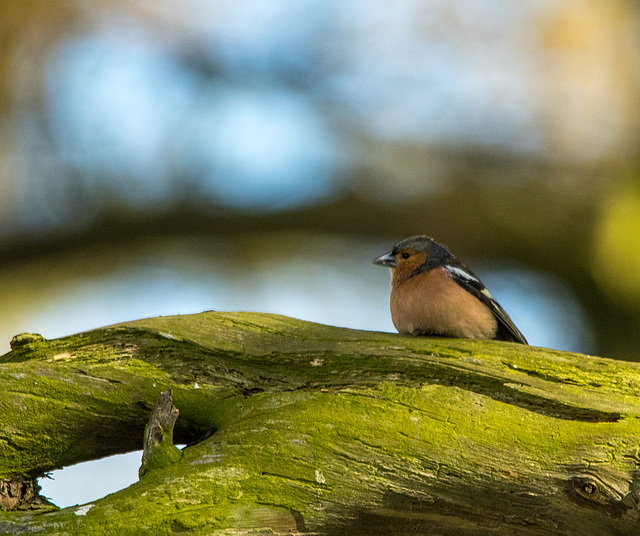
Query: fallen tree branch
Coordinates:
[303,428]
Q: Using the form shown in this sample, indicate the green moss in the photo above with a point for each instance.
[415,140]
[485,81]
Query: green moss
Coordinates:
[305,424]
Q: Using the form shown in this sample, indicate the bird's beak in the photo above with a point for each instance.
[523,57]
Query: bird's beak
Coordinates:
[385,260]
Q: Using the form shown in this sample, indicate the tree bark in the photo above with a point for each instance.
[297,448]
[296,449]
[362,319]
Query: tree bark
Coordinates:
[158,448]
[298,428]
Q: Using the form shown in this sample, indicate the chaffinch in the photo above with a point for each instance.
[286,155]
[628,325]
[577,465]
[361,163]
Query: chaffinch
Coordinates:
[433,293]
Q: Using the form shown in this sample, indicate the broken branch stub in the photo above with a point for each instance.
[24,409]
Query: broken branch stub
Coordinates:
[159,450]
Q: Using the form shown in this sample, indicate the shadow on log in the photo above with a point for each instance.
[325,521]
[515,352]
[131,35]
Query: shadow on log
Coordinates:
[299,428]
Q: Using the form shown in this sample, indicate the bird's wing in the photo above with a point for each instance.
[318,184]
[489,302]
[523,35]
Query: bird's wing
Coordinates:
[472,284]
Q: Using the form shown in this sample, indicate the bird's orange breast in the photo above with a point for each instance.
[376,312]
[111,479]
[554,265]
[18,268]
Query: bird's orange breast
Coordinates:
[431,303]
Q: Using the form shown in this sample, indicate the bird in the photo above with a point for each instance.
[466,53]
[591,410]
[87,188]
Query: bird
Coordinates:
[433,293]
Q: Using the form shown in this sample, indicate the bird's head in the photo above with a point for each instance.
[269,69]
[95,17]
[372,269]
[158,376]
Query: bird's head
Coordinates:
[412,256]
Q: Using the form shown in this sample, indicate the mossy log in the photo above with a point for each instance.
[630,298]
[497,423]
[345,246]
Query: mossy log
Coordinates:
[295,427]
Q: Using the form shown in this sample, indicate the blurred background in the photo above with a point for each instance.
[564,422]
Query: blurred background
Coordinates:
[172,156]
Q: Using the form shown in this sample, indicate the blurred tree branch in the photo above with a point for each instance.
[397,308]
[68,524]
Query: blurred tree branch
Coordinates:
[546,226]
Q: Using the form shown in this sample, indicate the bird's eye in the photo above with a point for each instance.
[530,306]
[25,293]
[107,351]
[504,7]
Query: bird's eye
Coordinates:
[405,255]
